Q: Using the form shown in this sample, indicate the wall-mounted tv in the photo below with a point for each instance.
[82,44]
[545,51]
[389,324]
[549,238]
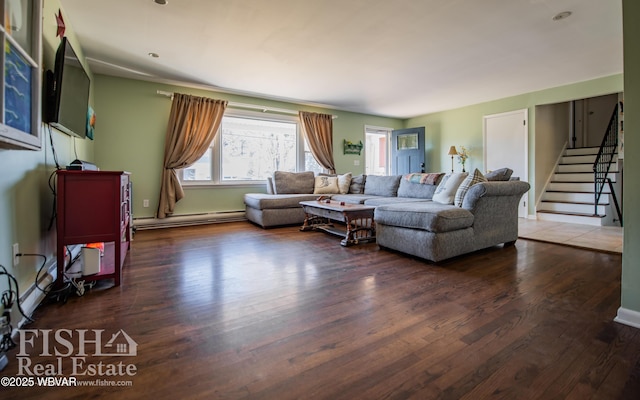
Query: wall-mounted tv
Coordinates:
[68,93]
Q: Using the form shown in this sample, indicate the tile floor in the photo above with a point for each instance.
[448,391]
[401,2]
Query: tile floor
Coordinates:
[605,238]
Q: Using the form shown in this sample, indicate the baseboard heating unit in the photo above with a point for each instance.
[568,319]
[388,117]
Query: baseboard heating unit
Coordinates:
[189,219]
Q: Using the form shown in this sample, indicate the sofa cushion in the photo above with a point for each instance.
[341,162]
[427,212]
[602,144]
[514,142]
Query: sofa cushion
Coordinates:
[379,185]
[326,185]
[378,201]
[469,181]
[425,215]
[502,174]
[352,198]
[446,191]
[293,182]
[357,184]
[418,185]
[344,182]
[262,201]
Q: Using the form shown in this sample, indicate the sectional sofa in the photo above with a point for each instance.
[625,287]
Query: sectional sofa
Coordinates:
[431,216]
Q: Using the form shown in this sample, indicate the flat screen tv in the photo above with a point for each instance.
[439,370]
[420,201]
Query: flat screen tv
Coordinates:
[68,93]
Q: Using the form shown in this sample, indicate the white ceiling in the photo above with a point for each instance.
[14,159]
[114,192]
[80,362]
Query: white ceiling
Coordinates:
[398,58]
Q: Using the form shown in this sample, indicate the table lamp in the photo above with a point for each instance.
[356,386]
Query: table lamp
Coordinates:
[452,152]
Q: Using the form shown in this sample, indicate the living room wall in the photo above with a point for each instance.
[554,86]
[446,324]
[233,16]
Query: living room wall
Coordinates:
[130,132]
[26,202]
[463,126]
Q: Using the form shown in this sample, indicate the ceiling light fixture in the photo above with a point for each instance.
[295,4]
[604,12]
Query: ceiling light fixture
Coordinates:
[562,15]
[161,2]
[154,55]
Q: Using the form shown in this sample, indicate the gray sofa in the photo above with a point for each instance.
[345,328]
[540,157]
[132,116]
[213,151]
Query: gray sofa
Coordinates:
[488,217]
[406,218]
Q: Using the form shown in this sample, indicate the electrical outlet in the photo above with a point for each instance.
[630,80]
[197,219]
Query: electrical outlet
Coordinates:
[16,251]
[356,162]
[145,203]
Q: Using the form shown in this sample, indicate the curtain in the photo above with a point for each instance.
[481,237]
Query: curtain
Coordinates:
[318,131]
[193,124]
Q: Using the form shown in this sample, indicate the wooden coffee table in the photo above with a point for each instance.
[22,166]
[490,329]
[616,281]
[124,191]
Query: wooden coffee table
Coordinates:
[358,220]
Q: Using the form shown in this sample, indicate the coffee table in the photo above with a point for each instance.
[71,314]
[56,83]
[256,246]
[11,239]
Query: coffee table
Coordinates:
[358,220]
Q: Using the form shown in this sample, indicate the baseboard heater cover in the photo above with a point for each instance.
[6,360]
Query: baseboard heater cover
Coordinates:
[189,219]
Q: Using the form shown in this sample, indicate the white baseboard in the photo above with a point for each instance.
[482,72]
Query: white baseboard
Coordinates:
[628,317]
[190,219]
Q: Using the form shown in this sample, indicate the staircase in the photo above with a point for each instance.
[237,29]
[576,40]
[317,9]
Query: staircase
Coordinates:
[570,195]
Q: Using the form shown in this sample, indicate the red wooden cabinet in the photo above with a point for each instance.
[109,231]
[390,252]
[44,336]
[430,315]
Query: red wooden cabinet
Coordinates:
[94,206]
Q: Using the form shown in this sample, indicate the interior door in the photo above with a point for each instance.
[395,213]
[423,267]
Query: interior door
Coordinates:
[407,151]
[505,145]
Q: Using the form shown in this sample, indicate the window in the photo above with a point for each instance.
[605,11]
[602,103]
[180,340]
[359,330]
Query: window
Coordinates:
[21,84]
[249,147]
[377,150]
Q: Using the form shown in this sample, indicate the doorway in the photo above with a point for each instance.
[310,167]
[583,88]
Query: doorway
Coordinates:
[376,154]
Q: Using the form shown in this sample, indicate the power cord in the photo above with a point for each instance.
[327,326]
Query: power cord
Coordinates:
[11,295]
[53,148]
[52,180]
[52,187]
[8,298]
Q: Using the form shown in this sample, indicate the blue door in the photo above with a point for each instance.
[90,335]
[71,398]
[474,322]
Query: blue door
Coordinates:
[407,151]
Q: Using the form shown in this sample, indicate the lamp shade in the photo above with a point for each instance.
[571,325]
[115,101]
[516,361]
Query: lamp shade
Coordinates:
[453,151]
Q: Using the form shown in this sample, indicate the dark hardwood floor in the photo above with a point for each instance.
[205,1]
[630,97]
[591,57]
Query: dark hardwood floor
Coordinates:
[232,311]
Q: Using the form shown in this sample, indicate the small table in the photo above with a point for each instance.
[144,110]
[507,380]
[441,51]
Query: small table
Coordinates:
[358,219]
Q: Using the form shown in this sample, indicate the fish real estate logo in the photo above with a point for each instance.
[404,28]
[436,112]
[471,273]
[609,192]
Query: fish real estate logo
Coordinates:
[83,347]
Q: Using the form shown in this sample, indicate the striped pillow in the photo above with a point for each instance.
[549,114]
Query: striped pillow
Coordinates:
[469,181]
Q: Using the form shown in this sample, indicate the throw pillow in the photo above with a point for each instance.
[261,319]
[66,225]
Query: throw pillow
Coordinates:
[502,174]
[270,189]
[446,190]
[326,185]
[344,182]
[424,178]
[382,185]
[357,184]
[469,181]
[293,182]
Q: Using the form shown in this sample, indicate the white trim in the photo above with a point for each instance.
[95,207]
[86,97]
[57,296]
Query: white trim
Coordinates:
[628,317]
[550,178]
[381,131]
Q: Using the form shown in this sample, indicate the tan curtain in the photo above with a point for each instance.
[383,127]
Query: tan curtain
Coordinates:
[318,131]
[193,123]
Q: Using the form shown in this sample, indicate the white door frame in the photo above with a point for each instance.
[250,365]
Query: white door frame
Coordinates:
[522,141]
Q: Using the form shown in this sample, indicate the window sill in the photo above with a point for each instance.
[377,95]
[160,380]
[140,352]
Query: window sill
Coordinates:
[207,185]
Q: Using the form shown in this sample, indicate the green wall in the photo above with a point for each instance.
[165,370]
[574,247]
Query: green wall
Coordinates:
[130,133]
[631,195]
[463,126]
[26,201]
[132,118]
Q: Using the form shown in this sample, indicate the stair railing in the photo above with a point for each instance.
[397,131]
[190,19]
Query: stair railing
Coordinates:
[602,165]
